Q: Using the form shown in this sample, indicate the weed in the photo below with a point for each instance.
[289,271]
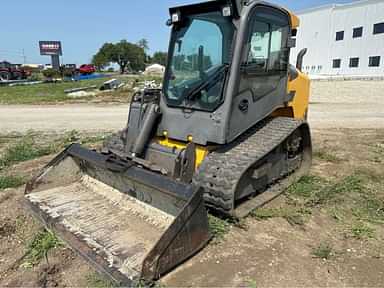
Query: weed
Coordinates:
[294,216]
[218,227]
[3,140]
[70,137]
[330,193]
[378,152]
[39,247]
[377,159]
[95,139]
[317,191]
[326,156]
[11,182]
[306,186]
[323,251]
[98,281]
[379,148]
[360,230]
[296,219]
[74,136]
[24,150]
[252,284]
[337,214]
[266,213]
[369,175]
[370,209]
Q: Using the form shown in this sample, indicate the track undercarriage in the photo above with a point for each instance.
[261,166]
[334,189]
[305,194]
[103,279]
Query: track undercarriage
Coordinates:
[253,170]
[256,168]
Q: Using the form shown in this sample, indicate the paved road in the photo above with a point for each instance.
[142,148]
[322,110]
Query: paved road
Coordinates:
[83,117]
[346,115]
[62,118]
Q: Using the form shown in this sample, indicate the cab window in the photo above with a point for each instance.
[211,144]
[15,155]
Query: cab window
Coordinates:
[266,47]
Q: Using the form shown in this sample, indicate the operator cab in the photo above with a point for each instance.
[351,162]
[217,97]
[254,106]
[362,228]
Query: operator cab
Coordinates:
[199,58]
[227,69]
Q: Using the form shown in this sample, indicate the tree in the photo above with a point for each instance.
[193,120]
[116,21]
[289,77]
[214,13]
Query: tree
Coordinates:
[160,58]
[102,58]
[125,54]
[143,43]
[128,55]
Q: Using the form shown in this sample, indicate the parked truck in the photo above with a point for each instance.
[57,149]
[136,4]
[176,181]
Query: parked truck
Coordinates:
[10,71]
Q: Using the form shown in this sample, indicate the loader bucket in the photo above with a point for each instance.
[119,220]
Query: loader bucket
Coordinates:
[130,223]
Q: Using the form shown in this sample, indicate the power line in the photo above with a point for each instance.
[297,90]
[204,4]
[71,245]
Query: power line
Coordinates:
[10,53]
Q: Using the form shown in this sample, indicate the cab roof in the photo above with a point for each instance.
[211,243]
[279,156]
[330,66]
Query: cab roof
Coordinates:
[236,5]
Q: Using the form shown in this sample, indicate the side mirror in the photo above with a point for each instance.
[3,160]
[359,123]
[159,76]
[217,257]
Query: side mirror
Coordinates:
[291,42]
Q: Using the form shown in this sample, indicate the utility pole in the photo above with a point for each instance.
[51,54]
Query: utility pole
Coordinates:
[24,57]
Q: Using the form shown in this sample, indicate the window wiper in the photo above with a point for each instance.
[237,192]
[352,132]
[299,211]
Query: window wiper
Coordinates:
[211,80]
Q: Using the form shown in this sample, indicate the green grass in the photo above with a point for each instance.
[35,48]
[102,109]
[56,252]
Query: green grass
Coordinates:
[218,227]
[326,156]
[54,92]
[378,153]
[24,150]
[96,280]
[310,192]
[360,230]
[74,136]
[42,93]
[316,191]
[323,251]
[369,208]
[27,148]
[354,201]
[333,193]
[306,187]
[252,284]
[294,216]
[11,181]
[38,248]
[370,175]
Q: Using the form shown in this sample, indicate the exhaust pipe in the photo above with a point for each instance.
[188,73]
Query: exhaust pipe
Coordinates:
[300,57]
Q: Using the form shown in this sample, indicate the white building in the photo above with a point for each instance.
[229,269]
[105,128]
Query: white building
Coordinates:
[343,39]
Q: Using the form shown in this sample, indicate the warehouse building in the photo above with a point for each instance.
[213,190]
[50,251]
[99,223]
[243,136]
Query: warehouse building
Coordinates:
[343,39]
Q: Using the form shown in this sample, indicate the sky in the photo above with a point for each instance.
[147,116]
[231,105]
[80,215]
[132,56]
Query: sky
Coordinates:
[83,26]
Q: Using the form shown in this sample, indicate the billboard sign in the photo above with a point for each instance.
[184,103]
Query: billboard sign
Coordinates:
[50,48]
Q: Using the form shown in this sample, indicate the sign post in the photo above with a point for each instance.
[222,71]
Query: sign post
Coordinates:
[53,49]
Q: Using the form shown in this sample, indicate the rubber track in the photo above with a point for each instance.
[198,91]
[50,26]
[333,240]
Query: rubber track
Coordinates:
[221,171]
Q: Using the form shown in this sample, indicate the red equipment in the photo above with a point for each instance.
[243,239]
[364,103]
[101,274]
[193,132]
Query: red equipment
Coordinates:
[87,69]
[12,72]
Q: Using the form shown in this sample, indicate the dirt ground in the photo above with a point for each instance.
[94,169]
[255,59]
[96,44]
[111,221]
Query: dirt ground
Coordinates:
[322,245]
[274,253]
[268,253]
[17,229]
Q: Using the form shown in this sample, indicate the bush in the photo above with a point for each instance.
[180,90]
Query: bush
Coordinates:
[51,73]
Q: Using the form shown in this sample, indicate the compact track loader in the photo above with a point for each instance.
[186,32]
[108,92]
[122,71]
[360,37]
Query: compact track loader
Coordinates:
[226,133]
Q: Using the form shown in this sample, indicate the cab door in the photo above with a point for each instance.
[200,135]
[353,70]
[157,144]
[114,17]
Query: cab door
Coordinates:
[264,68]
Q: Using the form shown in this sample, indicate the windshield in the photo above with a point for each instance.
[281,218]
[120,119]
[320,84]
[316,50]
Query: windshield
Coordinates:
[199,62]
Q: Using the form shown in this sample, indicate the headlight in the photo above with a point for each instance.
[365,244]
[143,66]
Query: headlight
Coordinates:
[175,17]
[227,11]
